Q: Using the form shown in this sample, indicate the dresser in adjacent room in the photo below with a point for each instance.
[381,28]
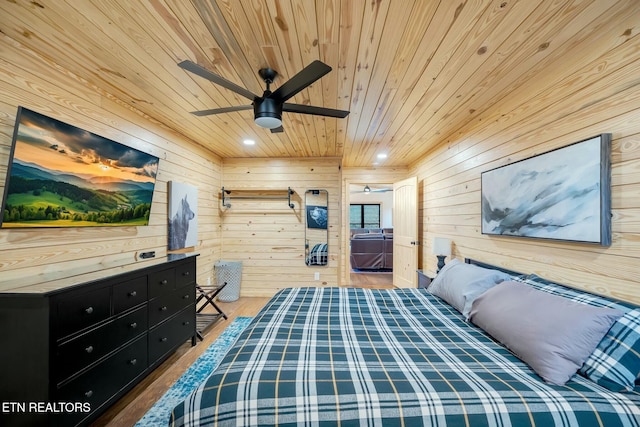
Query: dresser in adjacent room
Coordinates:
[69,353]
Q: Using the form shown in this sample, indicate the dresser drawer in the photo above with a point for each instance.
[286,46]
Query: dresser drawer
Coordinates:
[161,282]
[104,380]
[185,274]
[80,352]
[131,325]
[129,294]
[167,305]
[77,311]
[170,334]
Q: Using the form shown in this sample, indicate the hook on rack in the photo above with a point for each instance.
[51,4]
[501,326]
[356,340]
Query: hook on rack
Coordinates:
[225,203]
[289,194]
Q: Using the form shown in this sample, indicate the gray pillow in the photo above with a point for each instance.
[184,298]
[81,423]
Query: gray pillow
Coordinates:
[460,284]
[550,333]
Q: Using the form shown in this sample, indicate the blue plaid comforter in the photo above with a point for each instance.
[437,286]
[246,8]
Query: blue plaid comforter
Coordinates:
[342,356]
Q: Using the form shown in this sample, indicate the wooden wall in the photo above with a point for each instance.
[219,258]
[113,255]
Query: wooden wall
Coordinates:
[592,90]
[576,102]
[268,236]
[47,258]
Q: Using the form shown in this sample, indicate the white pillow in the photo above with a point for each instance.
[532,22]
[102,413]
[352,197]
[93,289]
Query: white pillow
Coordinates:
[460,284]
[437,281]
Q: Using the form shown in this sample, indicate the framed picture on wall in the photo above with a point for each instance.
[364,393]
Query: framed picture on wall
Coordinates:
[316,217]
[183,215]
[564,194]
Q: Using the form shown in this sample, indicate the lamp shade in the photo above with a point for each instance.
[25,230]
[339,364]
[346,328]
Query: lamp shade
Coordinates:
[441,246]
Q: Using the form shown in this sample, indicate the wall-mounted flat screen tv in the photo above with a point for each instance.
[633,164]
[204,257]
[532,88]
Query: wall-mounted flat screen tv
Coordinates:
[62,176]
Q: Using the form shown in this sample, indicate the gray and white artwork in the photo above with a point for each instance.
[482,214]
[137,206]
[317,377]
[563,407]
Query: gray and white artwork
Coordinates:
[563,194]
[183,219]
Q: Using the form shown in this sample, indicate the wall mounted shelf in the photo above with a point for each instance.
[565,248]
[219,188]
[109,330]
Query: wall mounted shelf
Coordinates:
[256,194]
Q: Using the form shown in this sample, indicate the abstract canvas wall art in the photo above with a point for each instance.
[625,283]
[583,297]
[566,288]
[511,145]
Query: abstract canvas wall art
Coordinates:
[564,194]
[183,215]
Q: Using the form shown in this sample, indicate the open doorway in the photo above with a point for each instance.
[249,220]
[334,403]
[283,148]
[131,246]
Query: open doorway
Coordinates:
[370,234]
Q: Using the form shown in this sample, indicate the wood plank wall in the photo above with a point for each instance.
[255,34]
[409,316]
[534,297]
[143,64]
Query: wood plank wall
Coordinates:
[576,102]
[268,236]
[48,258]
[594,92]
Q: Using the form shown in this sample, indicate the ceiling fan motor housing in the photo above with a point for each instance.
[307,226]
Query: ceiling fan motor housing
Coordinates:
[267,112]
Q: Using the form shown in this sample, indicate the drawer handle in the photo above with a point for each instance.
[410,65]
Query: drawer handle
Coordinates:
[89,349]
[186,273]
[164,282]
[186,323]
[133,325]
[163,308]
[163,339]
[88,310]
[186,296]
[89,393]
[133,293]
[133,361]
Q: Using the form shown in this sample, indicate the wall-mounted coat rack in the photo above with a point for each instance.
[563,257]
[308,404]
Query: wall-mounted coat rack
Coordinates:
[246,195]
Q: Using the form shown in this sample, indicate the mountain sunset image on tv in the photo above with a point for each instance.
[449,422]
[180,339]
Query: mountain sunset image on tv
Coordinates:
[63,176]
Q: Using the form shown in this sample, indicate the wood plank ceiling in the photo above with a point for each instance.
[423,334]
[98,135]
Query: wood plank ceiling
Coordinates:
[413,73]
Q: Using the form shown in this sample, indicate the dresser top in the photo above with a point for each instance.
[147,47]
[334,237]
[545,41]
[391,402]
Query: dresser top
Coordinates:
[52,280]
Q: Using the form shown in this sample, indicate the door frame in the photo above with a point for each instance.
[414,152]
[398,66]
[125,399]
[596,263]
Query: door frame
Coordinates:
[346,233]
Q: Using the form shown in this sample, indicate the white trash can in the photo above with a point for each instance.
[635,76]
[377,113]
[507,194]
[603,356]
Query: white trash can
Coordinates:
[230,272]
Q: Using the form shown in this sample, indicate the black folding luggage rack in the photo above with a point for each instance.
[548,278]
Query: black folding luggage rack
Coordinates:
[208,294]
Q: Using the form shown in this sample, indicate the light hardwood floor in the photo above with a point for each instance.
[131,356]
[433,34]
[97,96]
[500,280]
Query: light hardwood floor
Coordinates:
[378,280]
[130,408]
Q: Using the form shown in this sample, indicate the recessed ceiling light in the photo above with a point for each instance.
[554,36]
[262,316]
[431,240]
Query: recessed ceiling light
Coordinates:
[382,156]
[249,142]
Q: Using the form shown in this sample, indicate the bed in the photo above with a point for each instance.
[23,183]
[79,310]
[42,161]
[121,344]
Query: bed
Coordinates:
[347,356]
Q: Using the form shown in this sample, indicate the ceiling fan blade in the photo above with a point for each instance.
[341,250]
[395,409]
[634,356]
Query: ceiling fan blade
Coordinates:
[304,78]
[203,72]
[279,129]
[316,111]
[222,110]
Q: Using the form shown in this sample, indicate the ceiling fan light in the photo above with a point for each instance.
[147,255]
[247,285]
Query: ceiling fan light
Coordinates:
[268,122]
[267,113]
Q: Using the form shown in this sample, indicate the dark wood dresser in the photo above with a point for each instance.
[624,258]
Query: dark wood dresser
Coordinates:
[67,355]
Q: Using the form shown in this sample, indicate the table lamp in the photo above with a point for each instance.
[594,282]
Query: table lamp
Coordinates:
[441,248]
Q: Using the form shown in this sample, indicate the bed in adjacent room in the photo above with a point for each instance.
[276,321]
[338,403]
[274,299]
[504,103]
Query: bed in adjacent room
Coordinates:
[329,356]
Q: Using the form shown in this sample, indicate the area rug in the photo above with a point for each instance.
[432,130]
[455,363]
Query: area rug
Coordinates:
[159,413]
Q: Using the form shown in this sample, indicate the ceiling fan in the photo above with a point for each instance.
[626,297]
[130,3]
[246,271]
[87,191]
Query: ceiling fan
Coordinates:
[268,108]
[367,190]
